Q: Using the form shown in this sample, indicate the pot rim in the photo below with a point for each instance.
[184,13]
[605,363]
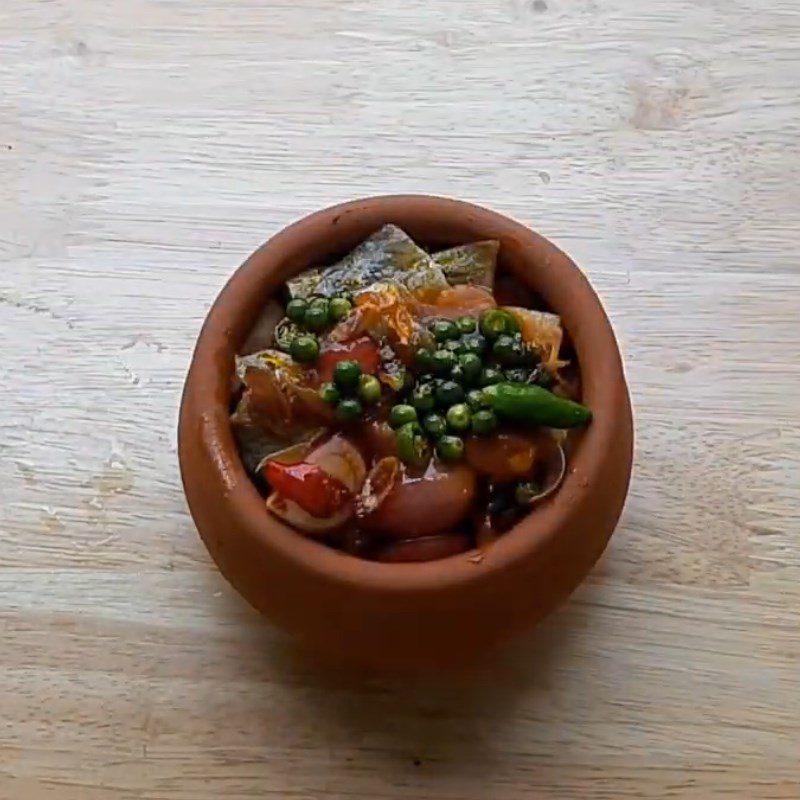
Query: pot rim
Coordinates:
[205,401]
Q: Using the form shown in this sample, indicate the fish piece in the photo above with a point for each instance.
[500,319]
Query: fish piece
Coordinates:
[473,263]
[387,256]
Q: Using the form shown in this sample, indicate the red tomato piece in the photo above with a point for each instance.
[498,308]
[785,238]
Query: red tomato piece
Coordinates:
[308,485]
[363,350]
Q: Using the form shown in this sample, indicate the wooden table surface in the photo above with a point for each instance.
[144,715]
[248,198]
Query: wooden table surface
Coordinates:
[147,147]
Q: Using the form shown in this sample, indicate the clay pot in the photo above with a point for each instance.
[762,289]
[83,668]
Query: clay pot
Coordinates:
[388,614]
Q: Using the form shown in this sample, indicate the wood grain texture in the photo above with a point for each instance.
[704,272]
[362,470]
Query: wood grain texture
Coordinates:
[147,147]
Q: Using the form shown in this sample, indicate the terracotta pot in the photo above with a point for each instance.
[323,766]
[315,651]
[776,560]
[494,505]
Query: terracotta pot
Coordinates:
[405,615]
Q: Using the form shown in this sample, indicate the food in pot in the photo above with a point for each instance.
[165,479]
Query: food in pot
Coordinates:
[394,410]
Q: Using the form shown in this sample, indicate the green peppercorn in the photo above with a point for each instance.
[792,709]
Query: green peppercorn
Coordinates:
[508,350]
[495,322]
[542,377]
[412,445]
[317,316]
[457,374]
[304,348]
[339,308]
[423,360]
[369,389]
[329,393]
[348,409]
[296,310]
[458,417]
[443,329]
[471,366]
[526,491]
[484,422]
[443,361]
[502,346]
[466,324]
[475,399]
[531,356]
[474,343]
[435,425]
[408,381]
[346,375]
[490,375]
[450,448]
[402,414]
[517,374]
[422,397]
[448,393]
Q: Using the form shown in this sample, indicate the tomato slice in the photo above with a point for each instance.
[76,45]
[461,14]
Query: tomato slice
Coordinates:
[308,485]
[363,350]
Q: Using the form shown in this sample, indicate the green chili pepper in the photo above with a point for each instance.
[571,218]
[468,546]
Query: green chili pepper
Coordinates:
[533,405]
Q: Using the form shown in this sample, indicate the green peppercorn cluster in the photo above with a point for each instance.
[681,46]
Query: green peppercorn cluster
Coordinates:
[309,317]
[350,390]
[447,403]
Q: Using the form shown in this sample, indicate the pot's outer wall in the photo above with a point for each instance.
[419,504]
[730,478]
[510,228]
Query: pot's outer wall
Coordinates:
[398,615]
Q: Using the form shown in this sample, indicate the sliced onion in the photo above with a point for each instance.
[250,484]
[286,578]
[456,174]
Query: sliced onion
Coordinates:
[379,483]
[424,505]
[341,460]
[291,513]
[550,473]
